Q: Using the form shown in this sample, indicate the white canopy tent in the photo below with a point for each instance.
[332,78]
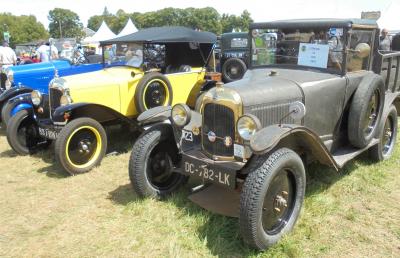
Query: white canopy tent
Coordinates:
[128,29]
[103,33]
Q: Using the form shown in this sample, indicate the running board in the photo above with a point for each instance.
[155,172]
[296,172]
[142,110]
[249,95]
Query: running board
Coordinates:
[218,200]
[344,155]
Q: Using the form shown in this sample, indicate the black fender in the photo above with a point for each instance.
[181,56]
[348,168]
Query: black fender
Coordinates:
[97,112]
[154,115]
[12,92]
[197,90]
[296,137]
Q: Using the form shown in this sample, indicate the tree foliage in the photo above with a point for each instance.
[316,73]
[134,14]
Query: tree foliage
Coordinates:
[24,28]
[207,19]
[64,23]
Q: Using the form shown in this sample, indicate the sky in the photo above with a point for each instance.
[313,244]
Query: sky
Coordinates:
[261,10]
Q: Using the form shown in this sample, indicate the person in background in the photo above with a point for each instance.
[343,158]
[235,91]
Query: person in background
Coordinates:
[7,56]
[53,49]
[384,41]
[45,50]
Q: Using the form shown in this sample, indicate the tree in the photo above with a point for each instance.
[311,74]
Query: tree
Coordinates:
[64,23]
[22,28]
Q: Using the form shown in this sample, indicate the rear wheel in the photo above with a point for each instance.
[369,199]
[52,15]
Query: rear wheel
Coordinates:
[233,69]
[22,134]
[81,145]
[387,137]
[151,165]
[271,199]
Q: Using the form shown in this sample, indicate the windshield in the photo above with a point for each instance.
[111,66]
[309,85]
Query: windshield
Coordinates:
[317,48]
[130,54]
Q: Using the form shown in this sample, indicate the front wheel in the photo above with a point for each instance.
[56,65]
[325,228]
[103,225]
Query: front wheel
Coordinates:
[6,113]
[23,135]
[81,145]
[387,137]
[271,199]
[151,165]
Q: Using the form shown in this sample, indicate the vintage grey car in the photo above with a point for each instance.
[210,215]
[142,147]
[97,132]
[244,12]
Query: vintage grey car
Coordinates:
[322,92]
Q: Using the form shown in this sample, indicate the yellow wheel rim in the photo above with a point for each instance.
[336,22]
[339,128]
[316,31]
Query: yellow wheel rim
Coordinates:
[81,146]
[164,87]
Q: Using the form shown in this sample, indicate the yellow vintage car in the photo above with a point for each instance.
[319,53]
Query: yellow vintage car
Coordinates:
[152,67]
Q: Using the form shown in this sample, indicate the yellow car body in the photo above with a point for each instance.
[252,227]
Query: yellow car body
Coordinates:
[115,87]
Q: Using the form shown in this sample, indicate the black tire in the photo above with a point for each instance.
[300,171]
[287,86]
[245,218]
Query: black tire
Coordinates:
[233,69]
[263,217]
[387,137]
[152,151]
[199,100]
[6,113]
[159,94]
[22,134]
[366,111]
[81,145]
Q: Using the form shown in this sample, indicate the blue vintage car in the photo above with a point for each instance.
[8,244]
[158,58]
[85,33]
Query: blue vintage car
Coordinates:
[23,79]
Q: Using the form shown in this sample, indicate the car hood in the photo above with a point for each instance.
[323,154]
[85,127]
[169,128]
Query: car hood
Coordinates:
[104,77]
[262,86]
[39,67]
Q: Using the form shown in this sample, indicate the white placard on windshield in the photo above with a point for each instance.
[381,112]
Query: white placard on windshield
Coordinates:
[314,55]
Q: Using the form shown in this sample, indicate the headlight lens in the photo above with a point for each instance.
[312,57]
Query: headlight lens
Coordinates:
[36,98]
[181,114]
[65,100]
[247,126]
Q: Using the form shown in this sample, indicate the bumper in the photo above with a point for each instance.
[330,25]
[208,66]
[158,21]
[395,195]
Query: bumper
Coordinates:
[48,129]
[223,173]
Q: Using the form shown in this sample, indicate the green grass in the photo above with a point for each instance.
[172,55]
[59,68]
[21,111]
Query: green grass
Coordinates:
[46,213]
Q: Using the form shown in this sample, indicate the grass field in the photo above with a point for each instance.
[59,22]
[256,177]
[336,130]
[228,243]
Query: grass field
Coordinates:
[46,213]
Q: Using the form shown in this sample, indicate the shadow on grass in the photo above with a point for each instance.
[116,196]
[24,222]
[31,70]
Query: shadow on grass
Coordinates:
[8,154]
[123,195]
[222,235]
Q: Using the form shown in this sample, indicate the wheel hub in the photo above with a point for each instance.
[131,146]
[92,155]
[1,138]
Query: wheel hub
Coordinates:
[280,202]
[84,146]
[234,70]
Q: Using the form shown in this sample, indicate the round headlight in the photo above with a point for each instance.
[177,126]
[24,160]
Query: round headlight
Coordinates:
[247,126]
[181,114]
[65,100]
[36,98]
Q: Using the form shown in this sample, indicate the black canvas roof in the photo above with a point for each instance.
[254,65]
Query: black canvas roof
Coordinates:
[305,23]
[166,35]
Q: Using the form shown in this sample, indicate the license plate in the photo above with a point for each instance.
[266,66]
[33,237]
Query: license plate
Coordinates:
[209,172]
[48,133]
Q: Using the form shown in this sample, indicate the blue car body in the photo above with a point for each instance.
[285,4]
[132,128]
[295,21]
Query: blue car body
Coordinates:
[37,77]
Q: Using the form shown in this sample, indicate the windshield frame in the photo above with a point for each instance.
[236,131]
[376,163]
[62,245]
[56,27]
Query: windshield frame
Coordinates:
[341,72]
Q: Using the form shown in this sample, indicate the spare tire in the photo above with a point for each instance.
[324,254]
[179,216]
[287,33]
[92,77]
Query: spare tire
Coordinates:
[366,110]
[233,69]
[153,90]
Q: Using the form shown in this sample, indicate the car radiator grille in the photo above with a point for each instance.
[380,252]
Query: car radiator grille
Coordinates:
[220,120]
[55,95]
